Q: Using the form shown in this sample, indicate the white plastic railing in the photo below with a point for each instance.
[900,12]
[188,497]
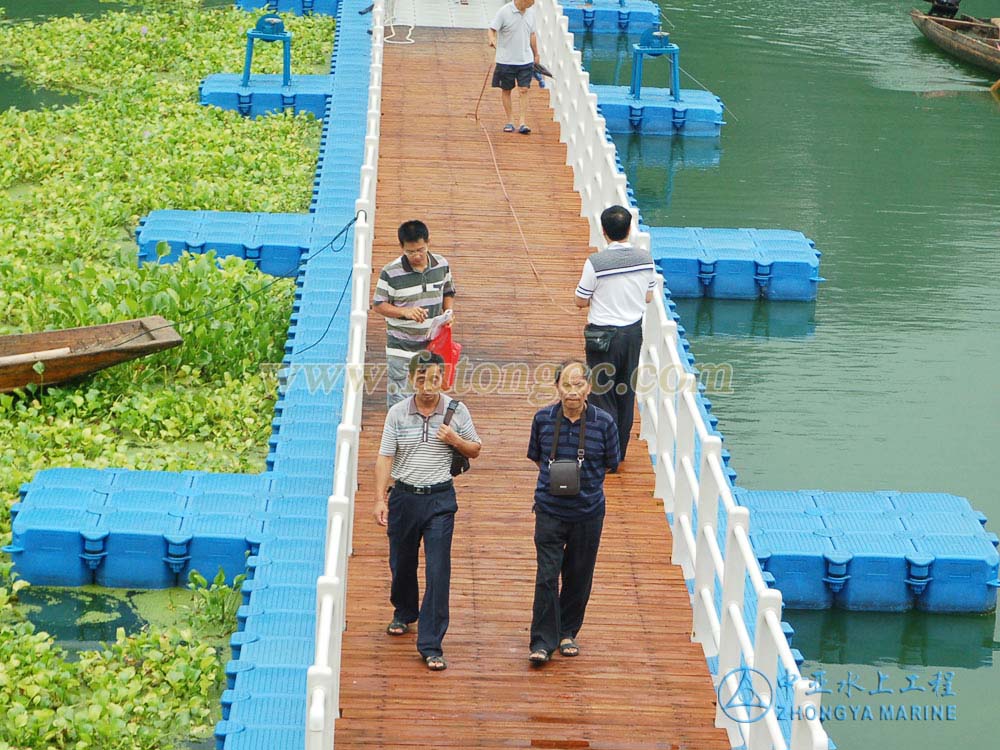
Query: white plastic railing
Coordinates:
[697,494]
[323,681]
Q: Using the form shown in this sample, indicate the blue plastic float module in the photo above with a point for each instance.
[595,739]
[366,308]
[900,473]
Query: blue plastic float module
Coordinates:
[148,530]
[697,114]
[276,243]
[880,551]
[264,93]
[611,16]
[773,264]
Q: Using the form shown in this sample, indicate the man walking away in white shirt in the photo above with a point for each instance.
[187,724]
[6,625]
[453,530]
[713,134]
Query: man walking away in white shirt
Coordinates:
[512,33]
[617,283]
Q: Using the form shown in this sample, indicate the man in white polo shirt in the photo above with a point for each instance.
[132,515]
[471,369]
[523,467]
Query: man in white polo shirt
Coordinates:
[512,33]
[617,284]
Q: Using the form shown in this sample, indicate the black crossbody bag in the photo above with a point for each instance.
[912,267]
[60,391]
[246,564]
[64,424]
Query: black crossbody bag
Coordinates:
[459,462]
[598,338]
[564,473]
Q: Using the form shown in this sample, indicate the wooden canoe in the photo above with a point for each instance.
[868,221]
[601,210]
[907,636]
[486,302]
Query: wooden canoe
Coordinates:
[974,40]
[74,352]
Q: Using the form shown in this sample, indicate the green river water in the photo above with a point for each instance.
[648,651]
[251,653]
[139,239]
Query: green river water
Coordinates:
[846,125]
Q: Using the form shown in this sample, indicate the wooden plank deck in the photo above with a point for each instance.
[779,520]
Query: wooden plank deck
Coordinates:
[639,682]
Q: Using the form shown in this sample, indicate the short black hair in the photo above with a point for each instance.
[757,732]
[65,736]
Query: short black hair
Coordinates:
[424,359]
[412,231]
[616,222]
[569,363]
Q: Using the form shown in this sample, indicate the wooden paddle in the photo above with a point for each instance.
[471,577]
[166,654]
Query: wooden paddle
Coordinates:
[949,22]
[21,359]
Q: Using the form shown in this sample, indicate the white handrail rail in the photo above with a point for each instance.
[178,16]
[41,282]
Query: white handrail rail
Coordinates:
[695,492]
[323,677]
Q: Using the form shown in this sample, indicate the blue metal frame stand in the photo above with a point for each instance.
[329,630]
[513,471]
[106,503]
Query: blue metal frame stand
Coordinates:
[655,43]
[270,28]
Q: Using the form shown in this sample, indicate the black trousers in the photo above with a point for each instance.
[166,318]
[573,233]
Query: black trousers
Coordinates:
[566,549]
[616,376]
[430,518]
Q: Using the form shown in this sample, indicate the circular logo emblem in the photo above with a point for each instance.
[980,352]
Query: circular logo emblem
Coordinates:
[745,695]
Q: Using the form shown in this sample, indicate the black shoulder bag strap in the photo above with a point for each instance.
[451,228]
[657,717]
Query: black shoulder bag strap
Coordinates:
[583,435]
[459,462]
[450,411]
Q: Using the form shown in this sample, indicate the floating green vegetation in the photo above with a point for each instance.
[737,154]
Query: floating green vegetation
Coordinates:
[213,608]
[155,687]
[164,607]
[151,689]
[73,184]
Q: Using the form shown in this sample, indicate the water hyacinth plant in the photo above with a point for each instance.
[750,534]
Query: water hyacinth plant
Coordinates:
[74,183]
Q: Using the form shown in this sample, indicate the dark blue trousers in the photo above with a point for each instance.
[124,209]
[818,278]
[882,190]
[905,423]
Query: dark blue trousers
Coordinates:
[566,549]
[615,390]
[430,518]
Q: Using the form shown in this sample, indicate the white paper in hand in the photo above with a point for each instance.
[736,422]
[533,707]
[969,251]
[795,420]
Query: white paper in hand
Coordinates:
[437,322]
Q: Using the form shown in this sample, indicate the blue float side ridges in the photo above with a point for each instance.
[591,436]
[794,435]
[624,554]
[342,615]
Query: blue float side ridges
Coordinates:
[128,528]
[884,551]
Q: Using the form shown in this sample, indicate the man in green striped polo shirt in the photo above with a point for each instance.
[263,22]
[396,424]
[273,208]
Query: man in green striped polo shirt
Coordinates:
[411,291]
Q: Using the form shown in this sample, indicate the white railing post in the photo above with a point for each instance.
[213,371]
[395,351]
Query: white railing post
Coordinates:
[319,707]
[708,487]
[733,591]
[684,490]
[704,581]
[707,535]
[666,426]
[765,661]
[807,731]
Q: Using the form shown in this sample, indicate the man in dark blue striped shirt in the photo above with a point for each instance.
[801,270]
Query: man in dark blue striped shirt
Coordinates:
[568,528]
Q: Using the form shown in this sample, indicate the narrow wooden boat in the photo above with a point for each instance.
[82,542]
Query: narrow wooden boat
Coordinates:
[974,40]
[73,352]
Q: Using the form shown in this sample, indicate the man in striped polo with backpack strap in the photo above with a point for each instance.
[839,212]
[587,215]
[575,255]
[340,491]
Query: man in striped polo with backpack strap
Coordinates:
[416,456]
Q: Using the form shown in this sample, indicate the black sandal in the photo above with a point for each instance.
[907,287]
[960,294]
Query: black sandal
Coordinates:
[397,627]
[539,656]
[569,648]
[435,663]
